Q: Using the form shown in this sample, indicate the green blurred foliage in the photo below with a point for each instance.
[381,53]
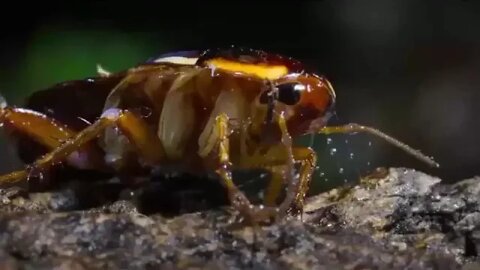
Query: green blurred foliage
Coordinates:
[56,55]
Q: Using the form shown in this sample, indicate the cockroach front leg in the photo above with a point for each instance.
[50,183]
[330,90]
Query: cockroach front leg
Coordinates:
[280,160]
[294,184]
[308,160]
[237,198]
[274,162]
[297,187]
[135,129]
[297,190]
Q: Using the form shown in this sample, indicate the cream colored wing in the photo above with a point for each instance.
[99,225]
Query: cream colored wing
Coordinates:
[178,116]
[231,102]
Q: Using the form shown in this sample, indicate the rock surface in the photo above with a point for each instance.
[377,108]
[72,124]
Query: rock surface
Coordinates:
[395,219]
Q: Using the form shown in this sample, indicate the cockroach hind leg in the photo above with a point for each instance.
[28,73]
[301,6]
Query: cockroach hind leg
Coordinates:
[59,153]
[67,142]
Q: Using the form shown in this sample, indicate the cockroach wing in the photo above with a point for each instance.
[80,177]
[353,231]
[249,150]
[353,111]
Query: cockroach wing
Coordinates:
[75,103]
[178,116]
[233,104]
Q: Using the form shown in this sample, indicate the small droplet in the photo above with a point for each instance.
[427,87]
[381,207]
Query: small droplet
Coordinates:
[333,151]
[351,155]
[346,141]
[145,111]
[329,140]
[368,163]
[369,143]
[322,174]
[341,170]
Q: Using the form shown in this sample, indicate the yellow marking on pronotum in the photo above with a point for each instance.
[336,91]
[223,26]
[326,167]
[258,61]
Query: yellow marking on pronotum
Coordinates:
[271,72]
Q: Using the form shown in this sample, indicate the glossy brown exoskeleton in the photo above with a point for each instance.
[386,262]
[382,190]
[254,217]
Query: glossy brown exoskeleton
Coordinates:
[215,110]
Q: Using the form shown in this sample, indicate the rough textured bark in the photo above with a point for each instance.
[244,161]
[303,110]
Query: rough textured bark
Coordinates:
[401,219]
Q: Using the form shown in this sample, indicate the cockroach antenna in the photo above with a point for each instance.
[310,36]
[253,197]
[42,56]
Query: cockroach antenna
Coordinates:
[354,128]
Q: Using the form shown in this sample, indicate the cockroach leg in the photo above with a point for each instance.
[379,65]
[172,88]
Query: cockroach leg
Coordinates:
[308,160]
[36,126]
[48,133]
[133,127]
[297,187]
[292,182]
[280,160]
[146,142]
[58,154]
[354,128]
[274,161]
[275,185]
[13,178]
[237,198]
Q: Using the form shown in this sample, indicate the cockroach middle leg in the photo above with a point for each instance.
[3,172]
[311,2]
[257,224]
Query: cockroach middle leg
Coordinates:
[238,200]
[274,188]
[134,128]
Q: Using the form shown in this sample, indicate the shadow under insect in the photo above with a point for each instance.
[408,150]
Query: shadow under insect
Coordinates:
[165,193]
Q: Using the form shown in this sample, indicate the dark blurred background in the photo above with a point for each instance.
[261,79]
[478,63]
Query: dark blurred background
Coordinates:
[409,68]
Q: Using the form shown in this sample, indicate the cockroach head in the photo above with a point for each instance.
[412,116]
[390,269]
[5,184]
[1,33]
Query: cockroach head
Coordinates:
[305,99]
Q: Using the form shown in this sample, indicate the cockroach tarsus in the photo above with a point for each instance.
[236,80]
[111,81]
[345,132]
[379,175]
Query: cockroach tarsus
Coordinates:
[216,110]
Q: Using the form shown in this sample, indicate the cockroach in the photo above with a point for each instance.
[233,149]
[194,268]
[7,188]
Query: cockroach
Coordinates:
[213,110]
